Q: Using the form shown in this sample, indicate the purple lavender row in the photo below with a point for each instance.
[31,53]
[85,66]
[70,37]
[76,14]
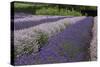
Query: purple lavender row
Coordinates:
[71,45]
[30,21]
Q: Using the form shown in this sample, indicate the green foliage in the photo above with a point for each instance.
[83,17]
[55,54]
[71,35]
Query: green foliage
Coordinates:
[42,38]
[47,11]
[55,11]
[24,7]
[29,46]
[51,9]
[28,49]
[88,8]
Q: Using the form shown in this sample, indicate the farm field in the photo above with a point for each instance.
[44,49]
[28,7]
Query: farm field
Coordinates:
[55,39]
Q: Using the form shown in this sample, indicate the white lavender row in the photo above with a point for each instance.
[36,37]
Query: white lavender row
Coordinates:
[32,20]
[93,45]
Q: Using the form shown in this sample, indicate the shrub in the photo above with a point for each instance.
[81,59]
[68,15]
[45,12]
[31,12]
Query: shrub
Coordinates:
[30,45]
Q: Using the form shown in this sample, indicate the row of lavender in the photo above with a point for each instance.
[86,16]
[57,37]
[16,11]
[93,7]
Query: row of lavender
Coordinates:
[70,45]
[93,45]
[33,38]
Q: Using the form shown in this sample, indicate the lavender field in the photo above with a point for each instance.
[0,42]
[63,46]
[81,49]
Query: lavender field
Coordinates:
[45,39]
